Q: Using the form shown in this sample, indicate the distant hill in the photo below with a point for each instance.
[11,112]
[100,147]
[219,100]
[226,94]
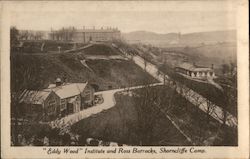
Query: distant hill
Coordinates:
[180,39]
[149,37]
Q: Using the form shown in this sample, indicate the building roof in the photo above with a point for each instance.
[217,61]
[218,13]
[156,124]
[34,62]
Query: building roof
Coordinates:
[68,89]
[34,97]
[192,67]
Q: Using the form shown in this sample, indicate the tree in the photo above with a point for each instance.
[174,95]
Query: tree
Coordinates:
[24,35]
[225,68]
[95,86]
[209,110]
[150,103]
[232,68]
[13,37]
[146,113]
[22,78]
[201,122]
[145,62]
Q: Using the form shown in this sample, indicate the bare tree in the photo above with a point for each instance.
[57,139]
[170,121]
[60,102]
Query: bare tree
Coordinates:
[225,68]
[145,63]
[14,33]
[150,103]
[209,110]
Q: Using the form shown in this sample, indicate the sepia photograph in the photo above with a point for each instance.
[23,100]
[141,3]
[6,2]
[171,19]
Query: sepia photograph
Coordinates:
[161,73]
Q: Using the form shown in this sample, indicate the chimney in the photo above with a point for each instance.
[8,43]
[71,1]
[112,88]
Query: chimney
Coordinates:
[58,82]
[212,66]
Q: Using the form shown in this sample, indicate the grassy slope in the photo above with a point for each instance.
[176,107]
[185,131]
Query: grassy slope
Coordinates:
[100,49]
[204,89]
[193,122]
[46,68]
[120,124]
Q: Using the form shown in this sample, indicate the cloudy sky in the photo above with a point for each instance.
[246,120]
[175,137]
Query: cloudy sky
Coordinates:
[160,16]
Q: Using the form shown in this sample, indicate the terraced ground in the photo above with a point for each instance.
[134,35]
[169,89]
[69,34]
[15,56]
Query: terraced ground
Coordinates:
[42,69]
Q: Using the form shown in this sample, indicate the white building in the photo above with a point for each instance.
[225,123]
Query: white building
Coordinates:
[195,71]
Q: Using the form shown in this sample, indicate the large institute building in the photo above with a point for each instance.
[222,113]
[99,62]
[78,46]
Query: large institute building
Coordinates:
[85,35]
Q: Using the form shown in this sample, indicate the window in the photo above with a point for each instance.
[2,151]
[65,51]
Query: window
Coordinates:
[63,104]
[51,106]
[63,101]
[52,102]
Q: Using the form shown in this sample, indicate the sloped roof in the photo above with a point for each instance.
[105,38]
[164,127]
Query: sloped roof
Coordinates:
[187,66]
[34,97]
[68,89]
[192,67]
[203,69]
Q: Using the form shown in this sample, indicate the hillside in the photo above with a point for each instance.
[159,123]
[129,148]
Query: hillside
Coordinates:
[100,49]
[217,54]
[36,71]
[175,39]
[209,37]
[120,124]
[149,37]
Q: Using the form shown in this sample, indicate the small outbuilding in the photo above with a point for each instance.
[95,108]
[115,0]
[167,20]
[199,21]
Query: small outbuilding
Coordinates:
[40,105]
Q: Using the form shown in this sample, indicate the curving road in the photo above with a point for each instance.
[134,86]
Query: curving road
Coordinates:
[109,102]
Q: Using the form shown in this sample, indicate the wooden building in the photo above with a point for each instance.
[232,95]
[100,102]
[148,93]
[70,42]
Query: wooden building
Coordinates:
[57,100]
[73,96]
[194,71]
[40,105]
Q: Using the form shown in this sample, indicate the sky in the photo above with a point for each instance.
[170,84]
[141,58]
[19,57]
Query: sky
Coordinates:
[159,17]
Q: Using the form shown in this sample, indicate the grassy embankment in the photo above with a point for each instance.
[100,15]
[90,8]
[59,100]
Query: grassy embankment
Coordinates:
[43,69]
[204,55]
[207,90]
[120,124]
